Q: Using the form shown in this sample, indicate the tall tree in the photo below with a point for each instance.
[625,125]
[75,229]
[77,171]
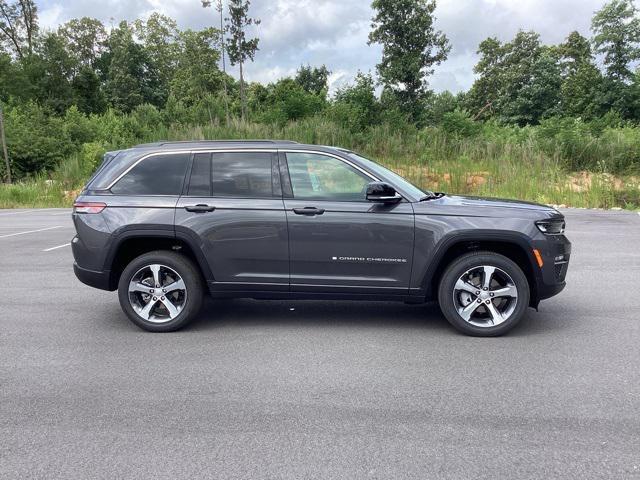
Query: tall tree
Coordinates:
[411,47]
[197,74]
[220,10]
[87,39]
[574,53]
[240,48]
[129,80]
[19,26]
[582,81]
[519,81]
[616,29]
[52,71]
[159,35]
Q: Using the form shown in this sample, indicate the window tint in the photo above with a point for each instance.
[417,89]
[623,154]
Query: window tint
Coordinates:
[242,174]
[155,175]
[321,177]
[200,182]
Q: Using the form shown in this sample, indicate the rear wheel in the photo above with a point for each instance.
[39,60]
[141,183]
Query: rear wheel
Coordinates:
[160,291]
[483,294]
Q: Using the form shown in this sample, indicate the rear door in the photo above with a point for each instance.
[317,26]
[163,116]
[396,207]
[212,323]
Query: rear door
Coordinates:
[232,209]
[339,242]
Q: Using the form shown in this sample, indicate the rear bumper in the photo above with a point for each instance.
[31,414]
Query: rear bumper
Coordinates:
[95,279]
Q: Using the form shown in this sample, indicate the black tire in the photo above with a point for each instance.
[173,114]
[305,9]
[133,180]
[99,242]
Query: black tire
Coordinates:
[469,262]
[185,268]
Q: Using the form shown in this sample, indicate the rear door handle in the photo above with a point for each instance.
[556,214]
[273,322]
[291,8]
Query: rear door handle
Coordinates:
[200,208]
[308,211]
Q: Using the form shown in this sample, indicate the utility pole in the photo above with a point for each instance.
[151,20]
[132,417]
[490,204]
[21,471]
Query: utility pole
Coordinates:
[4,145]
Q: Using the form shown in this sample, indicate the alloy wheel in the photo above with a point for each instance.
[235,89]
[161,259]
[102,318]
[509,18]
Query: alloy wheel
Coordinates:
[485,296]
[157,293]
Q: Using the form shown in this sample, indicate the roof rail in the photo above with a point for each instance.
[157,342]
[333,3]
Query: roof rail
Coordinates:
[179,142]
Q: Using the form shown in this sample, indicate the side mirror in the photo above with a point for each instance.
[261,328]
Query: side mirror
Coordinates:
[382,192]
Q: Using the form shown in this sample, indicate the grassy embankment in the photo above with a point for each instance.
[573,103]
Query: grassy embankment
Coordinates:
[498,161]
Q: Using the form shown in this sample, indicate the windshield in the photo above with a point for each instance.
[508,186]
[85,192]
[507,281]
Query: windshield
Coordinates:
[408,187]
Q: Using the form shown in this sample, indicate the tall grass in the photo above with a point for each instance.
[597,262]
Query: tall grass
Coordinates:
[529,164]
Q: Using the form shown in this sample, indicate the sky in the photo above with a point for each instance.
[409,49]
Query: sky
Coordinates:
[334,32]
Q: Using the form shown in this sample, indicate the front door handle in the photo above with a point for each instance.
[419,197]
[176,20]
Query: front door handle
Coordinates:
[308,211]
[200,208]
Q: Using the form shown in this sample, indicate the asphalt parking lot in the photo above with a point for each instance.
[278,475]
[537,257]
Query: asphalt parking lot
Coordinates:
[274,389]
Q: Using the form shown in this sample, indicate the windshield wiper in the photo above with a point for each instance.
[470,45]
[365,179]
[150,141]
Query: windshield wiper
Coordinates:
[432,196]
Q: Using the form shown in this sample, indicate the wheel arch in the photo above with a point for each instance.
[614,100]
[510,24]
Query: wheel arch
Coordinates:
[512,245]
[132,244]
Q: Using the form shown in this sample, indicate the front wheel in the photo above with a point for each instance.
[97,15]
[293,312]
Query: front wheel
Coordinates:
[483,294]
[160,291]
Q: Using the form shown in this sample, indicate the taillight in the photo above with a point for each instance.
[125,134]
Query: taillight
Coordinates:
[88,207]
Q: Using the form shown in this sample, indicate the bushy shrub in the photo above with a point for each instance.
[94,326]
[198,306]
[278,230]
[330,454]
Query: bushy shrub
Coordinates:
[460,124]
[36,140]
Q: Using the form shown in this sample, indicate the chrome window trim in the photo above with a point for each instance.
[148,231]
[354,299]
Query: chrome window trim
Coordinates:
[189,151]
[240,150]
[337,157]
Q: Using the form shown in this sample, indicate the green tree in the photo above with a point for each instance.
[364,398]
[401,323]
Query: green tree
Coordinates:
[582,81]
[519,81]
[574,53]
[220,9]
[356,105]
[50,71]
[159,36]
[287,100]
[19,26]
[197,74]
[86,38]
[313,80]
[87,91]
[616,29]
[130,78]
[483,96]
[439,105]
[240,48]
[411,47]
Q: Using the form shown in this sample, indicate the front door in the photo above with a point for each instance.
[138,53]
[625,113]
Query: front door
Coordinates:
[338,241]
[233,208]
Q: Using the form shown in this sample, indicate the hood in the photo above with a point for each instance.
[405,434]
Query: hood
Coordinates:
[496,202]
[485,207]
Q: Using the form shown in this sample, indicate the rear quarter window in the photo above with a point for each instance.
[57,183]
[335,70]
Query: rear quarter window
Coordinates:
[161,174]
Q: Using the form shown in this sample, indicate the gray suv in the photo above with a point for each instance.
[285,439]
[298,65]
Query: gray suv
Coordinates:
[164,223]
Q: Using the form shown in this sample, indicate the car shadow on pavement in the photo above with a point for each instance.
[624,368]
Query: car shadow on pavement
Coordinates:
[243,313]
[247,313]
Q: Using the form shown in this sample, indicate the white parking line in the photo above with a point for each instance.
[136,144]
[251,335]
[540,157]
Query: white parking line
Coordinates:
[5,214]
[30,231]
[55,248]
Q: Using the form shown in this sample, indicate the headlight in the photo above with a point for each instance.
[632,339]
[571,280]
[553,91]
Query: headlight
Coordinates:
[551,227]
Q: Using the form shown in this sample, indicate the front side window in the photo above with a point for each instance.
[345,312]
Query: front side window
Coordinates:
[320,177]
[154,175]
[242,174]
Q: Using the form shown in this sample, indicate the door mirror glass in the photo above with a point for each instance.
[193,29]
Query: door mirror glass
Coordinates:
[382,192]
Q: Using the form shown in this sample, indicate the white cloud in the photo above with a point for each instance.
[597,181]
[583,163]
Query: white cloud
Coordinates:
[334,32]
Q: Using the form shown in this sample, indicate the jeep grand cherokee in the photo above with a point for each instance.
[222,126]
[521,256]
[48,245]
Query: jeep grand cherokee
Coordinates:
[164,223]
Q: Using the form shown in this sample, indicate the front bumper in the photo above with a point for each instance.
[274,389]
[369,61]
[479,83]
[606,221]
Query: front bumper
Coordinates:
[556,252]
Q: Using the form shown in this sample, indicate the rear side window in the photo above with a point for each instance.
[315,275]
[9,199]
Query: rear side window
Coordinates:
[155,175]
[242,174]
